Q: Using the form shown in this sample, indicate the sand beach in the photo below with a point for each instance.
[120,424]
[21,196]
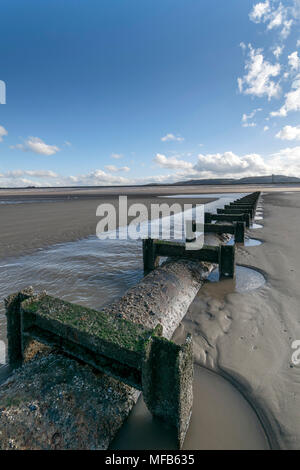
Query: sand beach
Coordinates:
[245,337]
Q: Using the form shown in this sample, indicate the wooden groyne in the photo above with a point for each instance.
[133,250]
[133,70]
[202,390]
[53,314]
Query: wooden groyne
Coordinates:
[125,350]
[130,339]
[222,255]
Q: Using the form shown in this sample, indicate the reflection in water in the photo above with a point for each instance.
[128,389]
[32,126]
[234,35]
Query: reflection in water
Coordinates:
[221,419]
[248,242]
[246,279]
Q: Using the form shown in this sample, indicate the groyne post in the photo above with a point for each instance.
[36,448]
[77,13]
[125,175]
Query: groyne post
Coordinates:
[241,217]
[210,254]
[127,351]
[227,261]
[167,379]
[150,258]
[239,232]
[13,321]
[236,210]
[236,228]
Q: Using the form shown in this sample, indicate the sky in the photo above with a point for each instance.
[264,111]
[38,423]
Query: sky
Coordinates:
[133,92]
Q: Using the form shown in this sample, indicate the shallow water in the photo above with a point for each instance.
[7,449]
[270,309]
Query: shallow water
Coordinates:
[248,242]
[232,196]
[89,272]
[221,419]
[246,280]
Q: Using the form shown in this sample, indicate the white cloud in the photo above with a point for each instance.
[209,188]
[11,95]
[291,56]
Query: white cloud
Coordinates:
[228,163]
[257,81]
[115,169]
[3,132]
[116,156]
[286,161]
[18,178]
[277,18]
[292,100]
[249,124]
[172,137]
[96,177]
[289,133]
[37,145]
[246,117]
[260,11]
[172,162]
[266,128]
[278,51]
[223,165]
[274,15]
[33,173]
[286,28]
[298,43]
[294,60]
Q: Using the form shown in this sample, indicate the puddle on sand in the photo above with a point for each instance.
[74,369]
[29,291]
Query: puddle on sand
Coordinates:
[248,242]
[221,419]
[246,279]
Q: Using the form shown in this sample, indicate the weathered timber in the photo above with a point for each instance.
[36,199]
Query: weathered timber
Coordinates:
[241,204]
[243,208]
[151,260]
[249,199]
[233,210]
[237,229]
[239,232]
[127,351]
[208,218]
[210,254]
[226,262]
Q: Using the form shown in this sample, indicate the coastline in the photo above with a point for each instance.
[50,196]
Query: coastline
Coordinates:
[247,337]
[28,227]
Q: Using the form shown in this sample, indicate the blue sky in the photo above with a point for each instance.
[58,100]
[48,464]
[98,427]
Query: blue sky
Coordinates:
[121,92]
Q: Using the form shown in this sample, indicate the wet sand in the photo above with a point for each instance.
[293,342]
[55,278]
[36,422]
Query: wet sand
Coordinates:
[28,226]
[141,191]
[40,217]
[247,336]
[244,336]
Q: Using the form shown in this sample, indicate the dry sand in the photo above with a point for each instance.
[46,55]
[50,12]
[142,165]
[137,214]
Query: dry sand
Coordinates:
[247,337]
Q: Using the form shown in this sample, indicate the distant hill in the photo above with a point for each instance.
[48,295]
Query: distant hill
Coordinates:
[270,179]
